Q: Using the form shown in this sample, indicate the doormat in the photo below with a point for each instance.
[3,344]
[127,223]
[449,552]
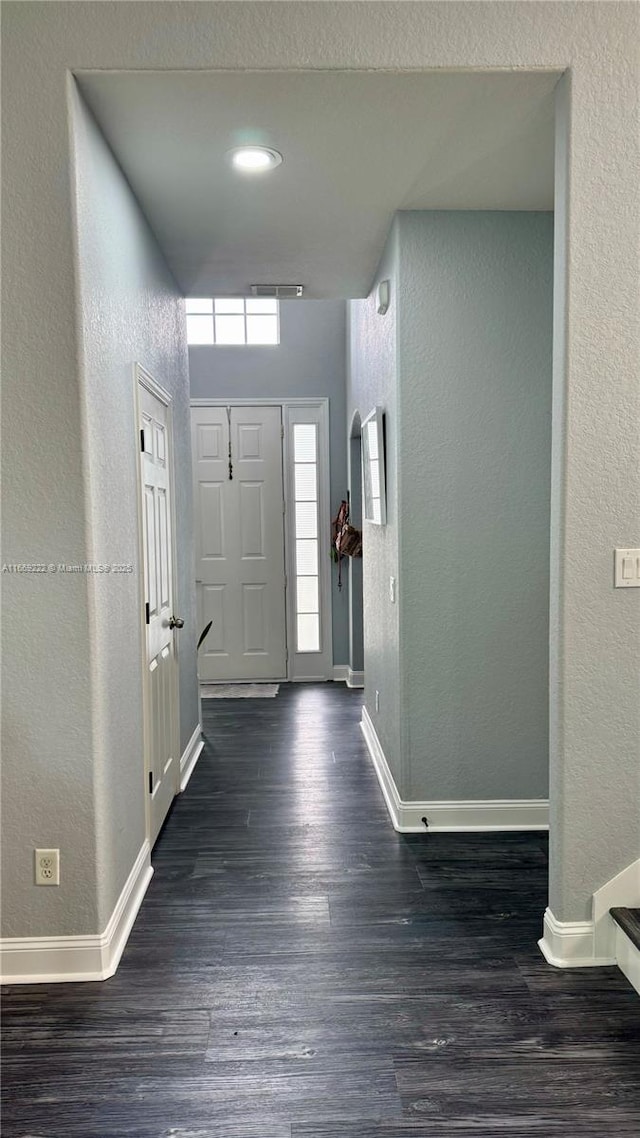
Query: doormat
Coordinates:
[239,691]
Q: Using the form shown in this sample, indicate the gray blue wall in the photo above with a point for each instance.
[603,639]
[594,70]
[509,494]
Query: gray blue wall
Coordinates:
[309,362]
[475,336]
[461,364]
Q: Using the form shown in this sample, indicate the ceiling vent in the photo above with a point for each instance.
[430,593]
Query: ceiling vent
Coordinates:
[281,291]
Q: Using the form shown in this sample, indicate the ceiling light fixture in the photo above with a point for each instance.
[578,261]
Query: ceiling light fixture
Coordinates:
[254,159]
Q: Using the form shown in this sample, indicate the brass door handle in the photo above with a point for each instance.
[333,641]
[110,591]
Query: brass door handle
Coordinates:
[176,622]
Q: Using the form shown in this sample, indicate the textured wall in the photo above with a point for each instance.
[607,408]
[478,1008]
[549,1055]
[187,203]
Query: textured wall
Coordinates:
[128,310]
[595,474]
[131,311]
[595,768]
[474,343]
[373,381]
[308,363]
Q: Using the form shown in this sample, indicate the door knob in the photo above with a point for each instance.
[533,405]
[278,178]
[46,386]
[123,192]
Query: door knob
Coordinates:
[176,622]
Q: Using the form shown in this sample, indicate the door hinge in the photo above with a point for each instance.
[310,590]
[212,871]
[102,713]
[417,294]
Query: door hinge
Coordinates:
[281,431]
[142,439]
[286,581]
[147,615]
[150,782]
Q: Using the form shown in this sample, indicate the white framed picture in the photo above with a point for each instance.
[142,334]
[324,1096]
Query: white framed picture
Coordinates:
[373,473]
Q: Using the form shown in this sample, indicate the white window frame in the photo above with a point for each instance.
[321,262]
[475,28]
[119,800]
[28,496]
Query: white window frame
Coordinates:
[301,666]
[217,344]
[309,665]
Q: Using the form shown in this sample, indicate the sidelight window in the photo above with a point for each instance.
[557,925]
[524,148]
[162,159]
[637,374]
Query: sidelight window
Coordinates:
[305,481]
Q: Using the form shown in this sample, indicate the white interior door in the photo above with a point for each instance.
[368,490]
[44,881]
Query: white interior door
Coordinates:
[161,694]
[239,524]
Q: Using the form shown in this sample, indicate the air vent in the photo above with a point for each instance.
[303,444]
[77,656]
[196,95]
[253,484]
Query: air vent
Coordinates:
[281,291]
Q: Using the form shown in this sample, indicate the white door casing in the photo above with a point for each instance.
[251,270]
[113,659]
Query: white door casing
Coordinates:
[161,712]
[239,530]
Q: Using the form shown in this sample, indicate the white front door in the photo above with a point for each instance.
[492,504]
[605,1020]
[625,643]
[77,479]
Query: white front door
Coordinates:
[161,689]
[239,526]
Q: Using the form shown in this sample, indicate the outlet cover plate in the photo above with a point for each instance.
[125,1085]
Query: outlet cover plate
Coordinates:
[47,867]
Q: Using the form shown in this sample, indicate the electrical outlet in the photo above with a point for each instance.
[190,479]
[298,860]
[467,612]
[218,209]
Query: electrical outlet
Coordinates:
[377,701]
[47,867]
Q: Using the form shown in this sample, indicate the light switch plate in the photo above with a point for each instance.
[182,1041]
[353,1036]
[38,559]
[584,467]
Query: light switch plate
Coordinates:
[627,568]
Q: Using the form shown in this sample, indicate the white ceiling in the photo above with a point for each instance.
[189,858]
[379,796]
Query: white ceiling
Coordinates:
[357,146]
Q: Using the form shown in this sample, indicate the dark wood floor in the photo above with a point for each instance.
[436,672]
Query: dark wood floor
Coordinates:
[299,970]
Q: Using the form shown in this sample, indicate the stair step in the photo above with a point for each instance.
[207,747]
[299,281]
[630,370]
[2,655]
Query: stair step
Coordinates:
[629,922]
[628,943]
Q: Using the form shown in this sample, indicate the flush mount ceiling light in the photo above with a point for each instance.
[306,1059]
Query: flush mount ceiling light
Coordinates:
[254,159]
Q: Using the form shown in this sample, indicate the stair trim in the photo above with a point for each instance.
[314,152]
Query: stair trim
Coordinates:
[622,890]
[628,958]
[628,919]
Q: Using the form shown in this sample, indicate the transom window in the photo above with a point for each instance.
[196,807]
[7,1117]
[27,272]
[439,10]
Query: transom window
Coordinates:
[233,320]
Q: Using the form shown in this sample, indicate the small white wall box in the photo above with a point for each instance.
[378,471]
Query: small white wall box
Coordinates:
[384,294]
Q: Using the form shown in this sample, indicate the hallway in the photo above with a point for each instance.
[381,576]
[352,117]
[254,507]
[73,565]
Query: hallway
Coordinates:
[300,970]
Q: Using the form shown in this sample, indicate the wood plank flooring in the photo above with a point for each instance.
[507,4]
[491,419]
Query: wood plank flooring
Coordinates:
[299,970]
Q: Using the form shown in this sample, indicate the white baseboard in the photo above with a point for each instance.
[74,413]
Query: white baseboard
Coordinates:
[355,679]
[595,943]
[465,816]
[627,958]
[191,754]
[381,767]
[51,960]
[622,891]
[342,673]
[476,815]
[570,944]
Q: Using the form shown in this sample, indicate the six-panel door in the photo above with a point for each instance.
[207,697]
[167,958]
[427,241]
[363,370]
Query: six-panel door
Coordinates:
[160,661]
[239,528]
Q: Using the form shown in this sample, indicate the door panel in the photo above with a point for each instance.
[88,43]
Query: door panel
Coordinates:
[212,605]
[251,520]
[210,519]
[254,619]
[240,542]
[249,441]
[161,682]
